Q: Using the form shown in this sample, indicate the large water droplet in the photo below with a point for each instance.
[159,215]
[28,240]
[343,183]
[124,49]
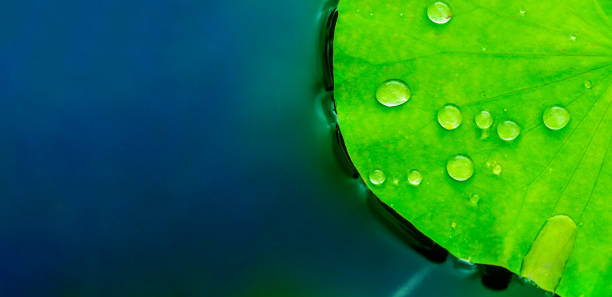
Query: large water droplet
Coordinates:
[460,168]
[439,13]
[393,93]
[556,117]
[484,120]
[377,177]
[508,130]
[450,117]
[415,177]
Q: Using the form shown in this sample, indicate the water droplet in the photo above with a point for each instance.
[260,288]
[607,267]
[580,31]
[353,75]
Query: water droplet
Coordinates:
[393,93]
[588,84]
[474,199]
[377,177]
[496,169]
[508,130]
[460,168]
[484,120]
[395,181]
[572,36]
[453,225]
[556,117]
[439,13]
[484,49]
[522,12]
[401,14]
[484,134]
[415,177]
[450,117]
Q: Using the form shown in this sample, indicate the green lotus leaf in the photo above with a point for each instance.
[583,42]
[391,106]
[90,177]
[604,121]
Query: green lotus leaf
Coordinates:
[488,125]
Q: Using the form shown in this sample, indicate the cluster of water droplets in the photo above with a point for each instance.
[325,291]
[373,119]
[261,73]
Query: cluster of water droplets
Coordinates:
[460,167]
[378,177]
[546,251]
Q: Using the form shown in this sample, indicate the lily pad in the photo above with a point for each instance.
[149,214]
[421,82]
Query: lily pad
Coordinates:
[537,199]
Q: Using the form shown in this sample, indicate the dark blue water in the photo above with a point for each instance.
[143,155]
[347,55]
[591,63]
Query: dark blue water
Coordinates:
[181,148]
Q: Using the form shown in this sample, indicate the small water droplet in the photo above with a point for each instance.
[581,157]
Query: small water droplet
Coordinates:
[556,117]
[371,14]
[508,130]
[395,181]
[439,13]
[588,84]
[484,49]
[484,133]
[484,120]
[572,37]
[392,93]
[377,177]
[450,117]
[401,14]
[495,167]
[453,225]
[460,168]
[415,177]
[474,199]
[522,12]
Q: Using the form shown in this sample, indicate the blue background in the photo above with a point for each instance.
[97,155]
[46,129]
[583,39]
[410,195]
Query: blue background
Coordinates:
[182,148]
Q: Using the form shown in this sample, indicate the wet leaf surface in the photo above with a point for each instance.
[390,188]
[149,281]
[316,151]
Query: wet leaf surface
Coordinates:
[515,61]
